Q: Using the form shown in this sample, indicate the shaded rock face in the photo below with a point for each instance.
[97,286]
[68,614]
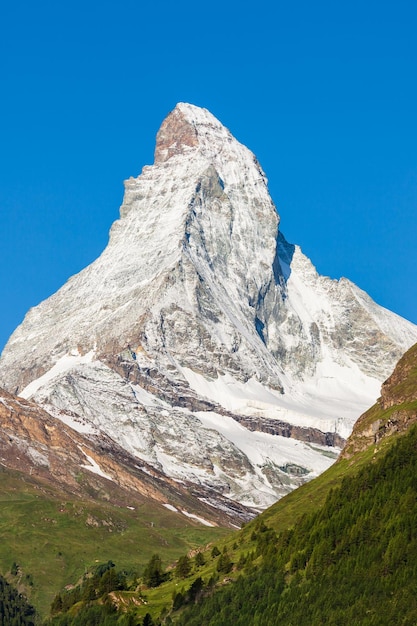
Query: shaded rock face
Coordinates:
[200,340]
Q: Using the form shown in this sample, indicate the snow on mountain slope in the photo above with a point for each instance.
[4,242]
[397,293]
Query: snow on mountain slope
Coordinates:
[198,315]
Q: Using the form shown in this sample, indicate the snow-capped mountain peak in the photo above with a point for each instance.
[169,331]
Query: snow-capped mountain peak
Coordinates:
[199,324]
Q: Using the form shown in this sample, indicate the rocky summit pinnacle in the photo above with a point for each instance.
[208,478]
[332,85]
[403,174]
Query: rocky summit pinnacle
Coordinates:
[177,133]
[200,340]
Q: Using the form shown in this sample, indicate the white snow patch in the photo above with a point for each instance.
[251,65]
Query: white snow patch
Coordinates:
[145,397]
[170,507]
[79,424]
[146,471]
[94,467]
[37,457]
[5,403]
[64,364]
[197,518]
[262,448]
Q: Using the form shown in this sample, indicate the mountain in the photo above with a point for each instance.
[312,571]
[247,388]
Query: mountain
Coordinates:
[200,341]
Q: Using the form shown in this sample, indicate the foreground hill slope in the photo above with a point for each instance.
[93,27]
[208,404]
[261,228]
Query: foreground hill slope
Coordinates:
[200,341]
[353,561]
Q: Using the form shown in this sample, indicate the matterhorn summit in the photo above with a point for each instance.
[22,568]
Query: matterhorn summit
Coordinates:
[200,340]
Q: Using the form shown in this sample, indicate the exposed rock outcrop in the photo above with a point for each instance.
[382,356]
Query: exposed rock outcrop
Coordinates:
[394,412]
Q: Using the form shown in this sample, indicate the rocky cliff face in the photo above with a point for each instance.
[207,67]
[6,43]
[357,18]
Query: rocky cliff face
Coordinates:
[401,386]
[199,319]
[394,412]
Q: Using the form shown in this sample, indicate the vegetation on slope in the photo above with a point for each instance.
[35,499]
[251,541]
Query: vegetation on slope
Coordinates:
[341,549]
[48,540]
[14,609]
[353,561]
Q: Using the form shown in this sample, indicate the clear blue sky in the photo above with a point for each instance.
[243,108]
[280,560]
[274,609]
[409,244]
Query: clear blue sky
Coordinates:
[324,93]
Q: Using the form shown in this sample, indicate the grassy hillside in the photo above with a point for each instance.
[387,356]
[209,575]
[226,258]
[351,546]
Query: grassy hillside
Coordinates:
[243,559]
[48,541]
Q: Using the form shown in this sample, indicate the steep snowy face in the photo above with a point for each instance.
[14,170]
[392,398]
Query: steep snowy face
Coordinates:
[199,324]
[311,320]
